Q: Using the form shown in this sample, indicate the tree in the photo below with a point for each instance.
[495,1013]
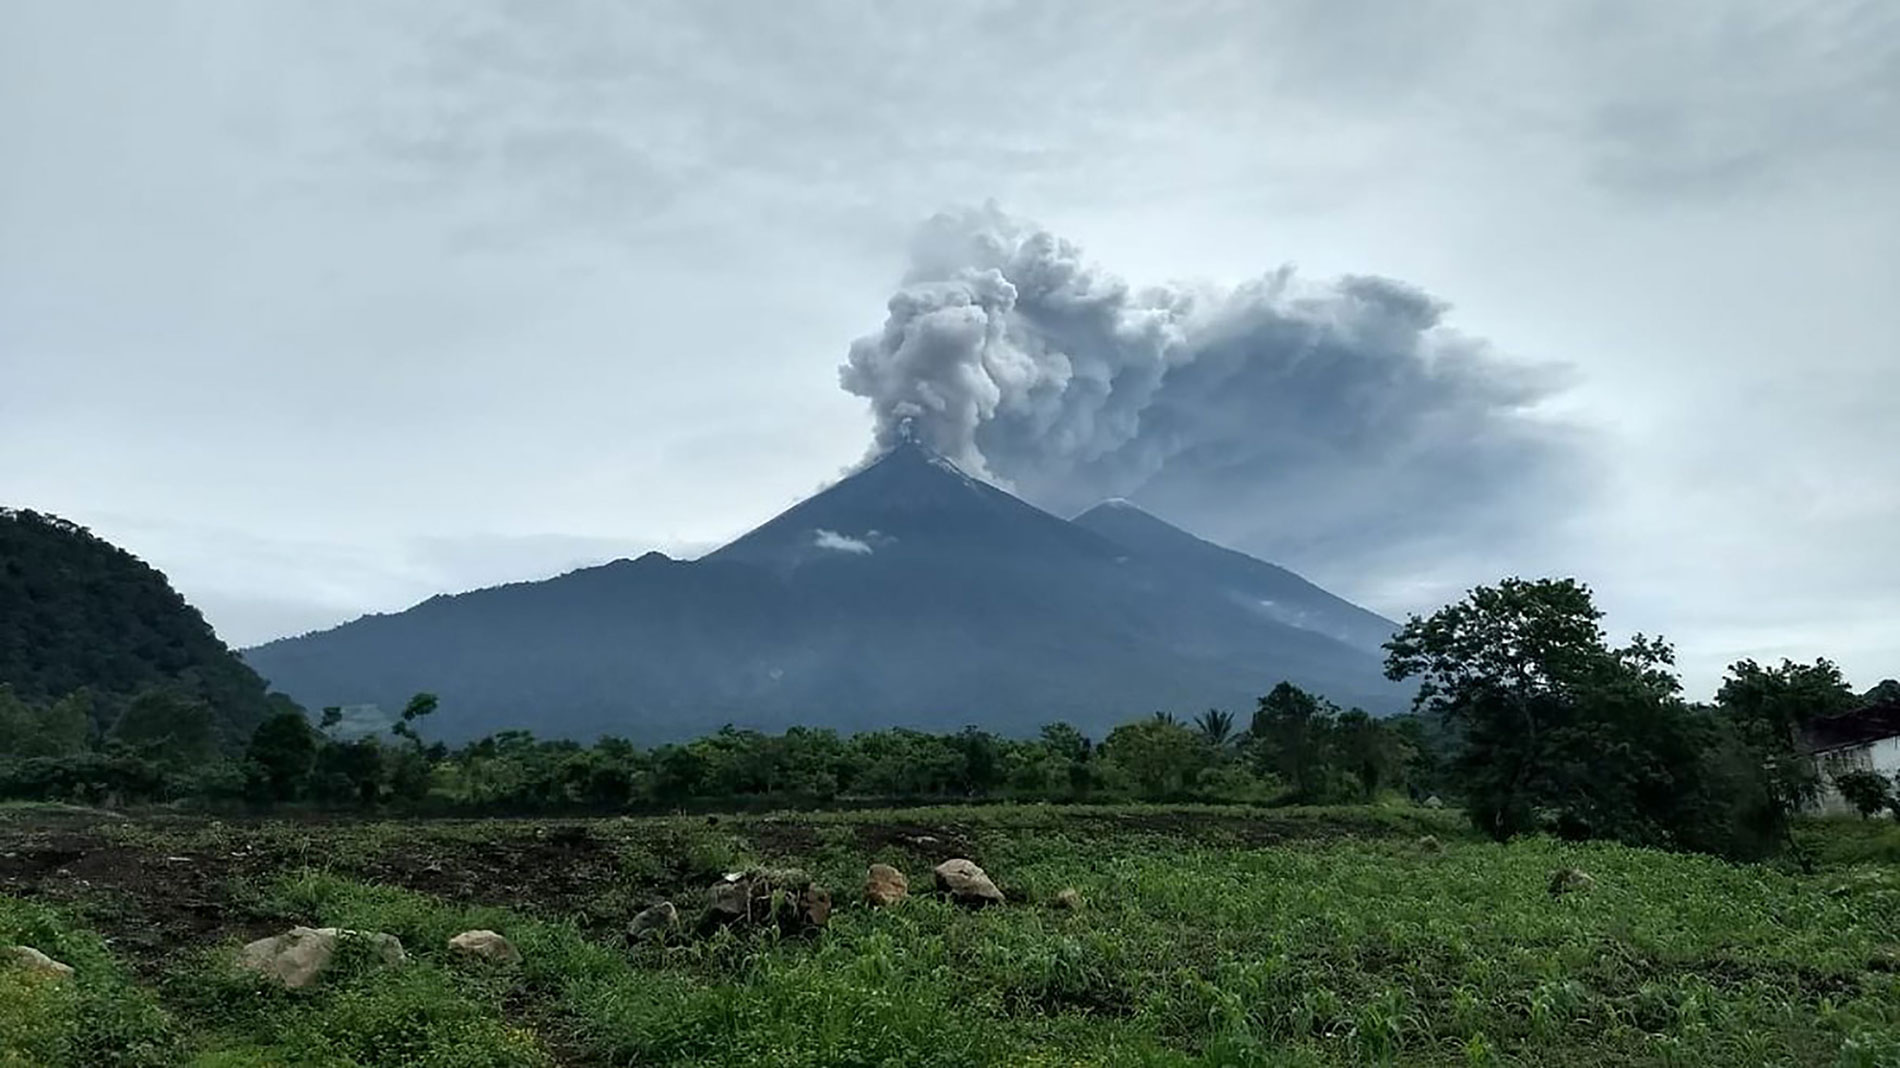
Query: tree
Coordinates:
[1288,738]
[419,707]
[283,749]
[169,726]
[1159,755]
[1216,727]
[1770,709]
[55,730]
[1072,748]
[1867,791]
[1373,754]
[1559,729]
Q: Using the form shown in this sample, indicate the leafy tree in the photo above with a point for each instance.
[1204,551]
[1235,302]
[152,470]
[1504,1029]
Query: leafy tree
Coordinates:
[1370,752]
[58,729]
[1216,727]
[1556,724]
[1159,755]
[1072,748]
[420,706]
[284,751]
[170,726]
[1771,708]
[1289,738]
[1867,791]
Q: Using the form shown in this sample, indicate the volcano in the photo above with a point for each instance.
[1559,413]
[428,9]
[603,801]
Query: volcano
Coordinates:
[907,594]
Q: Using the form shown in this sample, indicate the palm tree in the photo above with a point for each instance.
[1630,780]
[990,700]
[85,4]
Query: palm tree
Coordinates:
[1216,727]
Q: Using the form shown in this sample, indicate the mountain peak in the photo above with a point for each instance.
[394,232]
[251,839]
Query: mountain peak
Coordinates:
[909,497]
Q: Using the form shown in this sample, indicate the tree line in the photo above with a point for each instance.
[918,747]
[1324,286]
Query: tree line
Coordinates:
[1296,748]
[1526,715]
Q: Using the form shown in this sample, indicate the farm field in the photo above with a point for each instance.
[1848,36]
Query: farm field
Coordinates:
[1205,936]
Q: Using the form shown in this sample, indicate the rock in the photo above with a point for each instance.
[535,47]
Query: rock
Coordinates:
[1565,880]
[1433,802]
[885,886]
[966,884]
[487,945]
[296,957]
[1069,898]
[39,963]
[662,919]
[1430,843]
[787,898]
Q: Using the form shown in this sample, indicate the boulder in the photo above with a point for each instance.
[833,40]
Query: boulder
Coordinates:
[1565,880]
[1433,802]
[885,886]
[786,898]
[38,963]
[296,957]
[1430,843]
[1068,898]
[660,920]
[486,945]
[966,884]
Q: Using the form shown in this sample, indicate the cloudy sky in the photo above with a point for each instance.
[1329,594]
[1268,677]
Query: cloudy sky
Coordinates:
[326,307]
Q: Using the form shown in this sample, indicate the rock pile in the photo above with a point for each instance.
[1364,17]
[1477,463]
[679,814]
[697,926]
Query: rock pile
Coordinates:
[786,898]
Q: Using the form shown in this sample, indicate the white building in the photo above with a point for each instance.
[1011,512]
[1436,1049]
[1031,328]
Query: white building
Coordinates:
[1866,739]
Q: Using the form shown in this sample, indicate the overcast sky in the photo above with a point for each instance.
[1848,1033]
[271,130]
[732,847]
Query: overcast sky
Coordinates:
[323,308]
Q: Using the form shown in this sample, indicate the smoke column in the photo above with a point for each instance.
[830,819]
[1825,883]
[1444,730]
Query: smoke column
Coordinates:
[1286,415]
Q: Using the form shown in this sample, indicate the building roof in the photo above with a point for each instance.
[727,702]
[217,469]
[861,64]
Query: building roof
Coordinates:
[1868,723]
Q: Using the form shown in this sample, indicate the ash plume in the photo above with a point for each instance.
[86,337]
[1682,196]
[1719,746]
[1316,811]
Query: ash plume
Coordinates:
[1305,418]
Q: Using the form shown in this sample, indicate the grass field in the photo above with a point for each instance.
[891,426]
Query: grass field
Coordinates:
[1209,936]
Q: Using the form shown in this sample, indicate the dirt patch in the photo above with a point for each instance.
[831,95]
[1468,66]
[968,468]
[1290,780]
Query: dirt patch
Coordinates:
[782,838]
[548,869]
[934,844]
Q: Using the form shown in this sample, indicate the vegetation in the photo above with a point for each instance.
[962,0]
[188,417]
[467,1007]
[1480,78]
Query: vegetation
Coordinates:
[1209,936]
[1560,731]
[88,627]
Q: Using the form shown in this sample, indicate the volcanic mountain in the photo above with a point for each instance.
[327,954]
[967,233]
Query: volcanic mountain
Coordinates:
[908,594]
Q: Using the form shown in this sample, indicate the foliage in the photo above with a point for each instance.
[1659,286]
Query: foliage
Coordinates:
[96,1020]
[1770,708]
[1868,791]
[77,613]
[283,752]
[1561,731]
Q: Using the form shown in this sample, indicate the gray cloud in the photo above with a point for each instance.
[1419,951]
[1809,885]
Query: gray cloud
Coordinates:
[1309,417]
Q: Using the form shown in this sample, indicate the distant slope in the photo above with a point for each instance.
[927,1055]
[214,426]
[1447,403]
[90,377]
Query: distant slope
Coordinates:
[76,611]
[907,594]
[1273,590]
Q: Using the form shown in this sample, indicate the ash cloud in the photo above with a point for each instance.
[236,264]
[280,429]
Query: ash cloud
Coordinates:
[1317,420]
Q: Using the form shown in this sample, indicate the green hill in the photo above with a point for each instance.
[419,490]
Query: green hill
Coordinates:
[77,612]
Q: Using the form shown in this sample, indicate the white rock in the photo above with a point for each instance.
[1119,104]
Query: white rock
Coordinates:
[39,963]
[296,957]
[487,945]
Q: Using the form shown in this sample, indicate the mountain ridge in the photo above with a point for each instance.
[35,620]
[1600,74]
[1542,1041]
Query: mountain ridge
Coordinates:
[906,594]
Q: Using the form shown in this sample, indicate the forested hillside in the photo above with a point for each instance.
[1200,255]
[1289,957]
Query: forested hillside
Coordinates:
[77,613]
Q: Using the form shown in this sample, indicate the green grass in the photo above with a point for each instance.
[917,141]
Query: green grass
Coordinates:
[1202,943]
[95,1020]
